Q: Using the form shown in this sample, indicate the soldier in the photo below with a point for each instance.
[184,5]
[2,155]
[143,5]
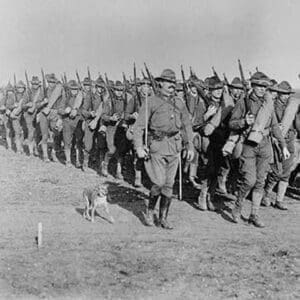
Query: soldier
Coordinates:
[29,107]
[93,102]
[236,89]
[12,118]
[280,171]
[69,109]
[113,118]
[49,119]
[215,132]
[166,117]
[133,108]
[255,157]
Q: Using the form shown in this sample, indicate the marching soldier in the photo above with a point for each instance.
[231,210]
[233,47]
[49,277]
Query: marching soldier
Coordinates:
[256,156]
[280,171]
[29,107]
[165,115]
[69,109]
[12,118]
[49,119]
[92,109]
[236,89]
[113,118]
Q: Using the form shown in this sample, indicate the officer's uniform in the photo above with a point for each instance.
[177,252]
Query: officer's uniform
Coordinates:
[166,119]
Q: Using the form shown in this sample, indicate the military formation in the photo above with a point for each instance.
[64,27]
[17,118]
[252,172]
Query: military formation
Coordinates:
[224,137]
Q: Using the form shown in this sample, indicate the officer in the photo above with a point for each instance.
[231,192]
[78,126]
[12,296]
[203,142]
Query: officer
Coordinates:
[166,117]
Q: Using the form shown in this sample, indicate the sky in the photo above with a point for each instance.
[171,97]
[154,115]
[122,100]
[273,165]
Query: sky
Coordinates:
[110,35]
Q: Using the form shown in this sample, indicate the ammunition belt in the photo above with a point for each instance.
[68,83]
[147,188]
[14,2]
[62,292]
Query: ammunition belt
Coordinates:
[160,135]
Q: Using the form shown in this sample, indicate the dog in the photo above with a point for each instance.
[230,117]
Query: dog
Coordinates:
[95,197]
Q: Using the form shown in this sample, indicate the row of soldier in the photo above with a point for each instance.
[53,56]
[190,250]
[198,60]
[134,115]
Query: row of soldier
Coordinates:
[239,134]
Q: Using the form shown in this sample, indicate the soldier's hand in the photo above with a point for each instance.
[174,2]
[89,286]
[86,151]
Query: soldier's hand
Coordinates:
[68,110]
[141,152]
[46,110]
[212,109]
[135,115]
[286,153]
[92,114]
[189,155]
[7,112]
[249,119]
[29,104]
[114,117]
[45,101]
[73,113]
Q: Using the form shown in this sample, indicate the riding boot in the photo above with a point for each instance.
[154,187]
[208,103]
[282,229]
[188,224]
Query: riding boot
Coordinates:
[30,148]
[149,216]
[19,146]
[9,143]
[266,200]
[256,201]
[77,164]
[237,209]
[45,153]
[222,178]
[54,156]
[164,206]
[104,165]
[282,186]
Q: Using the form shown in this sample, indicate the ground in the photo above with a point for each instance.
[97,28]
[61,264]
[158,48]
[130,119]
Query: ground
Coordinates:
[205,257]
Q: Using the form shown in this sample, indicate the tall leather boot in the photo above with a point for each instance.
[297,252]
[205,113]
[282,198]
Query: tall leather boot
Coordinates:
[282,186]
[222,179]
[164,206]
[266,200]
[202,199]
[256,201]
[68,158]
[149,216]
[104,165]
[45,153]
[193,176]
[77,163]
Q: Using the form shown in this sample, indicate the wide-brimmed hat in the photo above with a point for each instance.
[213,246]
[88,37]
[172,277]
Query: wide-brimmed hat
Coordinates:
[87,81]
[100,83]
[73,85]
[51,78]
[35,80]
[214,83]
[236,83]
[145,81]
[9,87]
[261,79]
[21,84]
[119,86]
[283,87]
[167,75]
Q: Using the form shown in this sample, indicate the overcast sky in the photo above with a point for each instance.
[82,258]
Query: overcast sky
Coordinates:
[109,35]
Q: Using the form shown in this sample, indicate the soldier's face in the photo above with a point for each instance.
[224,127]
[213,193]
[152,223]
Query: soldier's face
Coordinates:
[193,89]
[274,95]
[51,84]
[74,92]
[167,88]
[145,89]
[100,90]
[236,93]
[259,91]
[34,86]
[118,93]
[20,90]
[87,88]
[180,94]
[217,94]
[284,97]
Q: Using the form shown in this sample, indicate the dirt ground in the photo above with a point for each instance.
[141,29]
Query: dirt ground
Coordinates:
[204,257]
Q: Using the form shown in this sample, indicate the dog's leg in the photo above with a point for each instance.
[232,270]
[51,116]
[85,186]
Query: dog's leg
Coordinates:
[107,211]
[86,213]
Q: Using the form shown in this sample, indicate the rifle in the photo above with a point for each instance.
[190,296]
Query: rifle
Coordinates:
[143,74]
[15,87]
[27,84]
[43,82]
[78,79]
[110,92]
[191,72]
[215,73]
[185,87]
[225,79]
[256,69]
[125,82]
[151,78]
[65,84]
[89,74]
[244,82]
[136,87]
